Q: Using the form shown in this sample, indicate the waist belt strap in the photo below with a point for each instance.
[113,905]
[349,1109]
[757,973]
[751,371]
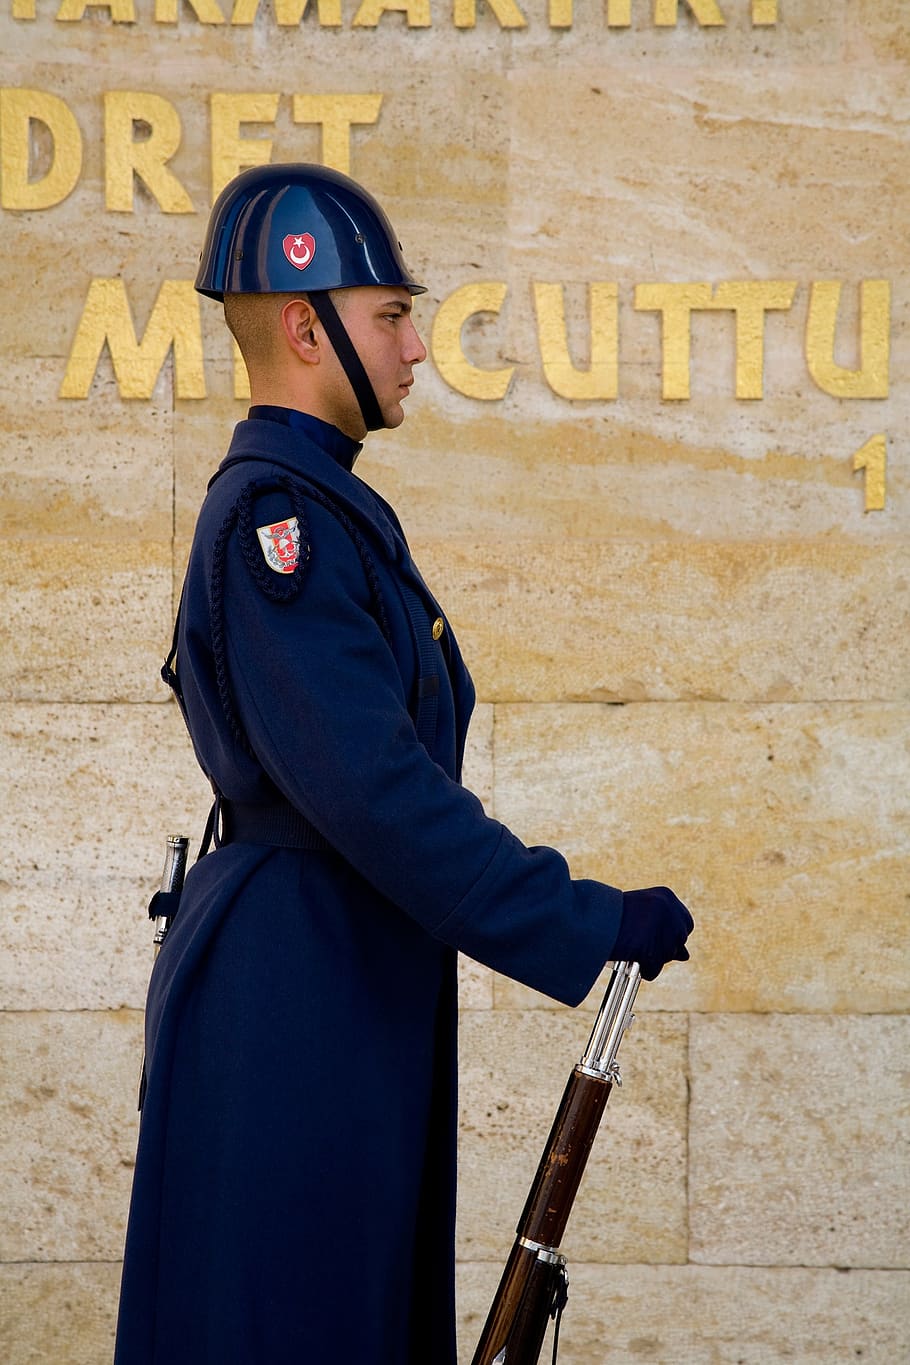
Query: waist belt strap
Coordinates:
[280,824]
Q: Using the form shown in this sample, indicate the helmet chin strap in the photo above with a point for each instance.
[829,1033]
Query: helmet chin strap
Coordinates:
[350,360]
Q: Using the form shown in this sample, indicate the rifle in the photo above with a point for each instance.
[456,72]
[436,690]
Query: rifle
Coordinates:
[534,1284]
[163,907]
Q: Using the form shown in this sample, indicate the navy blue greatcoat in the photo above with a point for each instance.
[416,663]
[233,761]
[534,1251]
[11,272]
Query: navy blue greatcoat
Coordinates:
[294,1192]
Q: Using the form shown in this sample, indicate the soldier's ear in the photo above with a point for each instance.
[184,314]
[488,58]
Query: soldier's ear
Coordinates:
[301,330]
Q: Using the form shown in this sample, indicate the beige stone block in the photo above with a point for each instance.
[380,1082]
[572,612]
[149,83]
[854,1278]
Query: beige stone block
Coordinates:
[77,940]
[623,621]
[877,34]
[726,167]
[535,468]
[120,775]
[95,470]
[514,1067]
[57,1313]
[729,1315]
[92,792]
[784,828]
[799,1141]
[68,1129]
[202,434]
[475,985]
[84,622]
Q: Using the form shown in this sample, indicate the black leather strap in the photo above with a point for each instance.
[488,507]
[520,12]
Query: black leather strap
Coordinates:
[350,361]
[280,824]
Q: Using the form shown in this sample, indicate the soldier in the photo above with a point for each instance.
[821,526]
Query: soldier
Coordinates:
[294,1191]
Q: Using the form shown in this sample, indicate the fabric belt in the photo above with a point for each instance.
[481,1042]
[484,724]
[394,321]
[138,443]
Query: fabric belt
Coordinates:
[280,824]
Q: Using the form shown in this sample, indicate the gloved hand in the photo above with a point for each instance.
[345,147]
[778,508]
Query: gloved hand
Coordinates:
[653,930]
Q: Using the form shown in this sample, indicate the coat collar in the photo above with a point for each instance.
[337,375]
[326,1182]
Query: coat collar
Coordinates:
[342,448]
[272,443]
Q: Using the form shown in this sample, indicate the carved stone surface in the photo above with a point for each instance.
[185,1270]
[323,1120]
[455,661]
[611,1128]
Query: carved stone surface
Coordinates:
[800,1145]
[68,1129]
[58,1312]
[784,827]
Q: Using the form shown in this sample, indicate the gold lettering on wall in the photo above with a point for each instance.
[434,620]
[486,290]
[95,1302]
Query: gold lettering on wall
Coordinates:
[870,380]
[122,11]
[336,114]
[764,11]
[872,457]
[174,324]
[231,152]
[750,300]
[666,13]
[125,158]
[371,11]
[675,303]
[601,379]
[506,11]
[289,13]
[206,11]
[619,13]
[18,109]
[448,355]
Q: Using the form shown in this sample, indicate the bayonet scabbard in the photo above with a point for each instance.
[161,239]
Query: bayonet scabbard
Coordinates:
[163,907]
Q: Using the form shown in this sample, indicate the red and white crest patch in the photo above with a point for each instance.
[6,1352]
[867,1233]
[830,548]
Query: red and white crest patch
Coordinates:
[281,545]
[300,248]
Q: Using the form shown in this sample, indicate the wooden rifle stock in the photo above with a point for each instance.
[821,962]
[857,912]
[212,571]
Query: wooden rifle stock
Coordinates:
[534,1284]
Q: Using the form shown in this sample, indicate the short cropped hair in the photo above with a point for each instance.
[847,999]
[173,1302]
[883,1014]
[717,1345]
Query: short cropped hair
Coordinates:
[253,321]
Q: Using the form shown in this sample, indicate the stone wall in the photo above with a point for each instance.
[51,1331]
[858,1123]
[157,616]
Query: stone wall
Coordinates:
[685,609]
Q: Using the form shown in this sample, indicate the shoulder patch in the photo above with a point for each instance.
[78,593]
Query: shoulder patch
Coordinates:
[280,544]
[277,552]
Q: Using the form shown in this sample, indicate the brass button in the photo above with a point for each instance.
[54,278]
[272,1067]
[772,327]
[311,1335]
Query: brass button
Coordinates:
[438,627]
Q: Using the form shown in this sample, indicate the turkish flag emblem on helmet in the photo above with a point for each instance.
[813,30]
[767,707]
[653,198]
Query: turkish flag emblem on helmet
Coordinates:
[300,248]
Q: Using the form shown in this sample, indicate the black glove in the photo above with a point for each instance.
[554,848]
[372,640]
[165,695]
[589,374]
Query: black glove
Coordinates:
[653,930]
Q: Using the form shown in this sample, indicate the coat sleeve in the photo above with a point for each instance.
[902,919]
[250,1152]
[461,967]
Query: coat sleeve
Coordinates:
[321,698]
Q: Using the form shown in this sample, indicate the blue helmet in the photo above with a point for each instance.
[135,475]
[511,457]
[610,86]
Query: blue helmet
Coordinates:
[280,229]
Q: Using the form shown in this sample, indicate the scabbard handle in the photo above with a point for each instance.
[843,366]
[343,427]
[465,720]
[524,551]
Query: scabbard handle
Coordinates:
[164,903]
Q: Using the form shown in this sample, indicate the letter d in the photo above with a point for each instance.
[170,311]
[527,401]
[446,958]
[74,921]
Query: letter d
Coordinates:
[18,108]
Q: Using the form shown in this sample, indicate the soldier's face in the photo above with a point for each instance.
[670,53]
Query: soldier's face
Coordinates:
[378,321]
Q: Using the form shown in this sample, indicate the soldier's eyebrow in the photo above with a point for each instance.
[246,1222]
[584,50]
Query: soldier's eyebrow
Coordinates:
[403,305]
